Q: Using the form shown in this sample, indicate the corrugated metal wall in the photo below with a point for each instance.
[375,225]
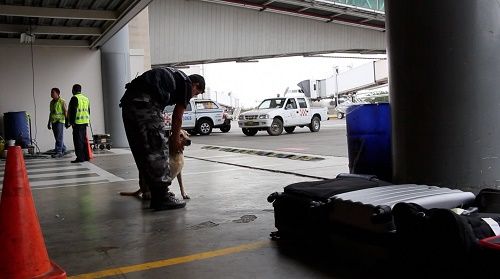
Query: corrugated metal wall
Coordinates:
[183,31]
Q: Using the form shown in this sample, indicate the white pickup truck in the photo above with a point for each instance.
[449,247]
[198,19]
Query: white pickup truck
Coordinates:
[200,117]
[276,114]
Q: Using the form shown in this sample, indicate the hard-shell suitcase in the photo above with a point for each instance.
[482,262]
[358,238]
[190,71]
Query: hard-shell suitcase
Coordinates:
[361,223]
[354,223]
[370,210]
[301,209]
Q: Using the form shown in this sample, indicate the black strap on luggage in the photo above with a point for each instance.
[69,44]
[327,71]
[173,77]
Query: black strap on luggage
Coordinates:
[324,190]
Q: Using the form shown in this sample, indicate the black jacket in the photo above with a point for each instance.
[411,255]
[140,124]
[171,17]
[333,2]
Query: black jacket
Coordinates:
[167,86]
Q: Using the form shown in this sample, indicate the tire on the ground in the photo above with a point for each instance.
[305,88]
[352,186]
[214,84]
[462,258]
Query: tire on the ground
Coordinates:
[249,131]
[290,129]
[276,127]
[225,128]
[315,124]
[204,127]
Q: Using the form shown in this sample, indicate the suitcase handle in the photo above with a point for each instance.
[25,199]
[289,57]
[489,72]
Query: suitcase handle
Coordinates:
[382,214]
[272,197]
[353,175]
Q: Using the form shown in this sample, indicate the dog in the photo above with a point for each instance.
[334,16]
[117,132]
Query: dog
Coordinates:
[176,163]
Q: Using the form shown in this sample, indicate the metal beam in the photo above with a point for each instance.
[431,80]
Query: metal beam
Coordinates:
[46,42]
[337,11]
[252,58]
[50,30]
[128,14]
[268,2]
[42,12]
[323,7]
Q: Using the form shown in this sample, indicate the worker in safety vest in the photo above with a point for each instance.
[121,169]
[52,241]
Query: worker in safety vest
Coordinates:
[57,120]
[79,119]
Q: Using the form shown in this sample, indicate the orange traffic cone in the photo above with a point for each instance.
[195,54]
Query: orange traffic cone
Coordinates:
[89,149]
[23,249]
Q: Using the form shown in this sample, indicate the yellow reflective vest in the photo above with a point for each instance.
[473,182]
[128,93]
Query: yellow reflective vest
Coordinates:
[82,112]
[57,111]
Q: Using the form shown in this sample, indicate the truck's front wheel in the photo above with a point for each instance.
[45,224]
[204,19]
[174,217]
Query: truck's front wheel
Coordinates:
[249,132]
[290,129]
[315,124]
[276,127]
[204,127]
[225,128]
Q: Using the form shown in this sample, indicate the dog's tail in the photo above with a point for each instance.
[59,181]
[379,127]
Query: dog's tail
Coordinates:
[135,193]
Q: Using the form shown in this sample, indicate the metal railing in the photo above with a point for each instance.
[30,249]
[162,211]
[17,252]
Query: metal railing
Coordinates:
[376,5]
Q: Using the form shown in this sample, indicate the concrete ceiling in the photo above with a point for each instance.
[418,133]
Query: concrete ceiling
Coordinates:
[84,23]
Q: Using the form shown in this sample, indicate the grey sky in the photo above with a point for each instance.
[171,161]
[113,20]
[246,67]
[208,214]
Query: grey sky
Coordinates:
[252,82]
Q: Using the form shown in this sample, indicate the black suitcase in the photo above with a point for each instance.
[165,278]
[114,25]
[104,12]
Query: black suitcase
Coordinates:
[462,241]
[301,210]
[488,201]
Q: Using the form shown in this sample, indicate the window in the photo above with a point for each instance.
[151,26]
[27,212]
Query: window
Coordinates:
[206,105]
[169,109]
[272,103]
[291,104]
[302,103]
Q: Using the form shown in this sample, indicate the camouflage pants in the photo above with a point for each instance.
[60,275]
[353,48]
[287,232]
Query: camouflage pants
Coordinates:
[144,126]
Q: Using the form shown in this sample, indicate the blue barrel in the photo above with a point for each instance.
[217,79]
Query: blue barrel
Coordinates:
[369,140]
[16,127]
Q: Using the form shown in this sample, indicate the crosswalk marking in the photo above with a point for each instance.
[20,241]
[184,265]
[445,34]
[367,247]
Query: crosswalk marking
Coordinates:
[51,169]
[56,173]
[35,172]
[72,173]
[64,181]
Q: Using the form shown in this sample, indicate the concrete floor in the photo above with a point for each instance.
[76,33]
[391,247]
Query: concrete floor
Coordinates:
[92,231]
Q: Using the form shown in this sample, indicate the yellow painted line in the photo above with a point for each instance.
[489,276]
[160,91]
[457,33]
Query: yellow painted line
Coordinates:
[174,261]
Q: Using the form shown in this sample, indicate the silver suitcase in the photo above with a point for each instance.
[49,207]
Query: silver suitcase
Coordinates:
[371,209]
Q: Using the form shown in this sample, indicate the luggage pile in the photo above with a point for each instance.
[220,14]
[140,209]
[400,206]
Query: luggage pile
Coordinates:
[417,228]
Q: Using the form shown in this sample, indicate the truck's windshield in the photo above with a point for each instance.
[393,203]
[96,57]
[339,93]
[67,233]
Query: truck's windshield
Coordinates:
[170,109]
[272,103]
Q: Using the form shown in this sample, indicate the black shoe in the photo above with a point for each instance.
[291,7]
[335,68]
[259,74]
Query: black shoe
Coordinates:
[58,155]
[77,161]
[168,202]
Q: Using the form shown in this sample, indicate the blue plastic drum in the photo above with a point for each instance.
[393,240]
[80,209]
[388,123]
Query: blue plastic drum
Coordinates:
[369,140]
[16,127]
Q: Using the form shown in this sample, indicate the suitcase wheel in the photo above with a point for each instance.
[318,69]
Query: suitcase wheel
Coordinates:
[275,235]
[272,197]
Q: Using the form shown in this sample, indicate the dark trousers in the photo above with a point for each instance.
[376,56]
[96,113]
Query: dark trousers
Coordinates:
[58,130]
[144,126]
[80,142]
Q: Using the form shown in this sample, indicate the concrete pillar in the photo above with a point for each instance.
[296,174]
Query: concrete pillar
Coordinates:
[444,83]
[115,74]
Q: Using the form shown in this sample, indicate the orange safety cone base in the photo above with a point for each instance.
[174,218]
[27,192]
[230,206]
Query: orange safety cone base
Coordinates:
[55,273]
[24,254]
[89,149]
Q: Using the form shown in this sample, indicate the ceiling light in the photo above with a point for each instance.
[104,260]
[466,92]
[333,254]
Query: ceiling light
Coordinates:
[27,38]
